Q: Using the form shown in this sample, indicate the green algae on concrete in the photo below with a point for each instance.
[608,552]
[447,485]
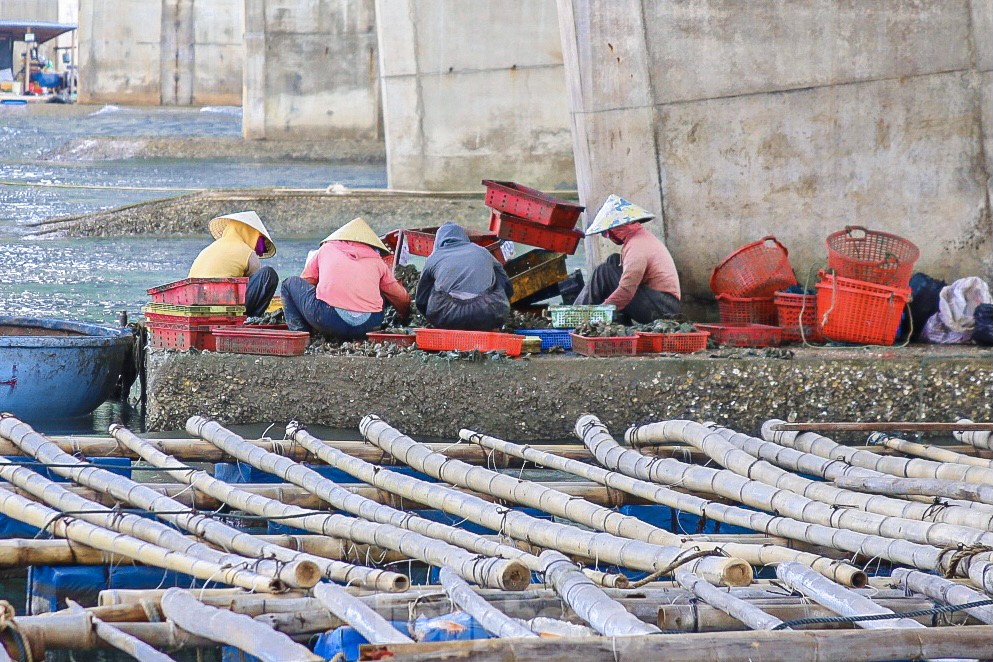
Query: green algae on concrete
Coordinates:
[541,398]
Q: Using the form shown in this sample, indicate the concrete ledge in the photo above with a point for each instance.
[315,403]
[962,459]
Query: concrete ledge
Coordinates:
[540,399]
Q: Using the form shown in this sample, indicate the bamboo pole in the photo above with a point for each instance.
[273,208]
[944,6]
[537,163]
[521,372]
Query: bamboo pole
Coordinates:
[165,508]
[103,539]
[589,602]
[807,463]
[122,641]
[980,440]
[816,444]
[152,531]
[748,614]
[794,496]
[929,452]
[386,527]
[790,506]
[232,629]
[894,486]
[438,496]
[628,553]
[948,592]
[838,599]
[882,426]
[351,610]
[753,554]
[800,646]
[489,617]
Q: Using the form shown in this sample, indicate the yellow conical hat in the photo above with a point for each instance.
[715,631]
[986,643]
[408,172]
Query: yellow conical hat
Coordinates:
[249,218]
[357,230]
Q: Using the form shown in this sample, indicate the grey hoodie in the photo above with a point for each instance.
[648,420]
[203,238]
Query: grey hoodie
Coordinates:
[459,267]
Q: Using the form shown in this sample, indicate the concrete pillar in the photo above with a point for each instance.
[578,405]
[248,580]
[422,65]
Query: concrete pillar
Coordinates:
[473,90]
[737,120]
[254,82]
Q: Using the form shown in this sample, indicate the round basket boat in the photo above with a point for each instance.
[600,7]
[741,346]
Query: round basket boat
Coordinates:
[55,369]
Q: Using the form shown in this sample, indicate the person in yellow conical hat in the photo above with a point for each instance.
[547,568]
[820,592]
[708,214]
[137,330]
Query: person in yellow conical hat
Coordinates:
[240,240]
[342,289]
[642,281]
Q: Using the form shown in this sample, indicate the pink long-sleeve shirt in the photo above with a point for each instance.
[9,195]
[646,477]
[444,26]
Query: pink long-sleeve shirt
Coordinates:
[644,261]
[352,276]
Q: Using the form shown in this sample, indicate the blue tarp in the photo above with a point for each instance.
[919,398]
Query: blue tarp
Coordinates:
[240,473]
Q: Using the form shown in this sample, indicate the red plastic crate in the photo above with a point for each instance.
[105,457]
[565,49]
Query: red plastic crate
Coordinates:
[420,241]
[525,232]
[677,343]
[398,339]
[278,327]
[858,312]
[531,204]
[194,320]
[747,335]
[872,256]
[202,292]
[789,309]
[271,342]
[444,340]
[758,269]
[171,336]
[617,346]
[746,310]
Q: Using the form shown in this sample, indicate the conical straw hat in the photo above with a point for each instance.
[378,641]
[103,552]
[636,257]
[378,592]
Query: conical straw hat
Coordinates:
[615,212]
[357,230]
[249,218]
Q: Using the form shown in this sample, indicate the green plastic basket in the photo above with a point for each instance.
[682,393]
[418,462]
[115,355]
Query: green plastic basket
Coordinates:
[567,317]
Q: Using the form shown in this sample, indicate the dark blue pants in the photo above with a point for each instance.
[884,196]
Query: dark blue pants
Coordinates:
[261,286]
[305,312]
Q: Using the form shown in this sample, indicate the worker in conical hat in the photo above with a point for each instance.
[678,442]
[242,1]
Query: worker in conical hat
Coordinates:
[642,281]
[240,241]
[462,285]
[342,289]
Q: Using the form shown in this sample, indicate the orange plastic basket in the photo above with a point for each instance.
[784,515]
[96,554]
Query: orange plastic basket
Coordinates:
[758,269]
[790,308]
[747,335]
[445,340]
[746,310]
[271,342]
[854,311]
[201,292]
[676,343]
[616,346]
[872,256]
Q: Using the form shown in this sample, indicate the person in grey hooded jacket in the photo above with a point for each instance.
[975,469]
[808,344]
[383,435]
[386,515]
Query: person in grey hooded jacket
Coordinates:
[462,285]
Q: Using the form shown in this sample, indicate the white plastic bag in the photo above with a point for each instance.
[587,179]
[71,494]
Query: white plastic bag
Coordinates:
[954,321]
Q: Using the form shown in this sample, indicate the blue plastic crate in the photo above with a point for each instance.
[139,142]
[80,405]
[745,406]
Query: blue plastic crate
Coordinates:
[550,337]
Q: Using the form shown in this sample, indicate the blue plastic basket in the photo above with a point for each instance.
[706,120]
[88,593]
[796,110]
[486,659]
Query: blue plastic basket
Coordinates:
[550,337]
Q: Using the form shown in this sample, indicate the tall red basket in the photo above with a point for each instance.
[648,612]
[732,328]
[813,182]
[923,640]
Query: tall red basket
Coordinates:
[858,312]
[758,269]
[872,256]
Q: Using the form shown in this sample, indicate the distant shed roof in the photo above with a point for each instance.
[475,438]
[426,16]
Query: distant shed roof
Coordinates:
[43,30]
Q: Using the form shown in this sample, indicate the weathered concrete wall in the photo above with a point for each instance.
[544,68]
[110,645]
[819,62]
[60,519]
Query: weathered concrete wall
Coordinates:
[169,52]
[311,69]
[473,90]
[26,10]
[542,398]
[738,120]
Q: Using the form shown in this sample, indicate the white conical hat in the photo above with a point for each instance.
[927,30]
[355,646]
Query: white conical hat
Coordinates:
[615,212]
[249,218]
[357,230]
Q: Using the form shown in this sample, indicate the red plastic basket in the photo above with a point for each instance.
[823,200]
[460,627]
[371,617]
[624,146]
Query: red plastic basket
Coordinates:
[187,322]
[398,339]
[271,342]
[420,241]
[790,308]
[173,336]
[747,335]
[525,232]
[871,256]
[758,269]
[617,346]
[858,312]
[677,343]
[444,340]
[746,310]
[531,204]
[202,292]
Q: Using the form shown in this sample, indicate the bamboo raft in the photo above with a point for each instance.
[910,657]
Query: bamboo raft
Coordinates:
[686,541]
